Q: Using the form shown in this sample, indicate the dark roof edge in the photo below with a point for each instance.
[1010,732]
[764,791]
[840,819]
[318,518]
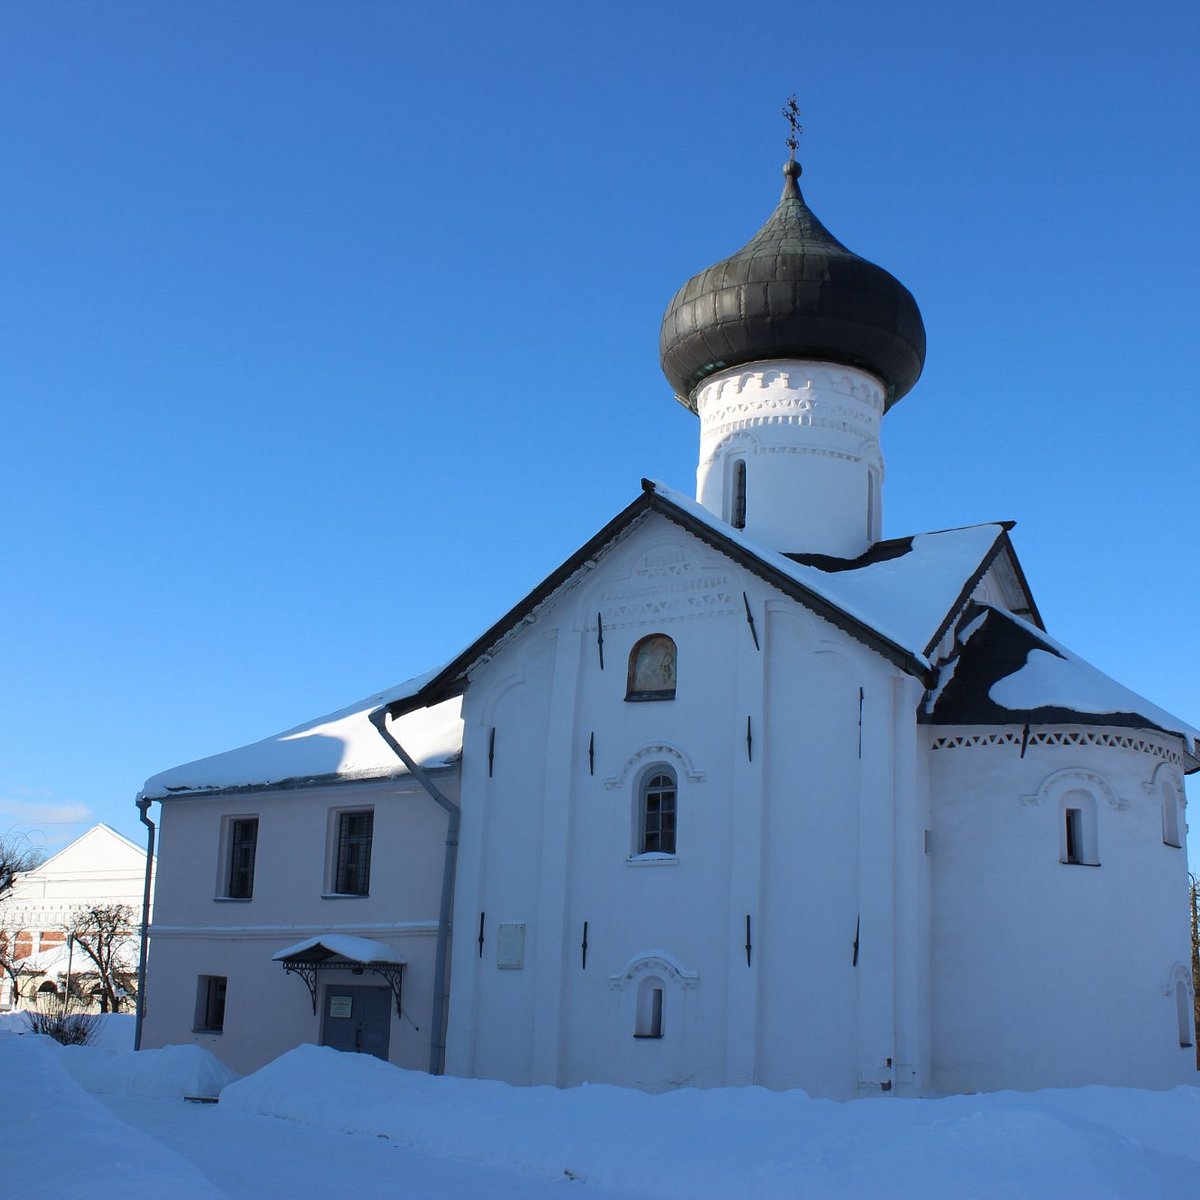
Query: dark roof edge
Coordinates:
[1034,614]
[448,682]
[1002,539]
[897,654]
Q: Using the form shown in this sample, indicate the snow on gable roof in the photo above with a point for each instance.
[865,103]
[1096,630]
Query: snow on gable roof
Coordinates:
[342,745]
[899,602]
[1008,671]
[344,945]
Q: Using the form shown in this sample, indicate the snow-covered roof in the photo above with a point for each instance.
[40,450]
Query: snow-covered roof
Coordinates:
[343,745]
[344,945]
[899,598]
[1006,670]
[55,960]
[905,596]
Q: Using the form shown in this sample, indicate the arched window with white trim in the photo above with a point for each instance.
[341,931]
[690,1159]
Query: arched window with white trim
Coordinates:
[657,811]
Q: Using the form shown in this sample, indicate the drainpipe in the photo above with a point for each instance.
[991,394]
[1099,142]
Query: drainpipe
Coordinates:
[437,1048]
[143,805]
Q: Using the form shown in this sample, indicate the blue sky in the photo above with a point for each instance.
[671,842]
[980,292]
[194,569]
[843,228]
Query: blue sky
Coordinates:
[329,329]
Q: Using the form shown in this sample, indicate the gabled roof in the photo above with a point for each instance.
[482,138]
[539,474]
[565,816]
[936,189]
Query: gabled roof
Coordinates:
[101,840]
[898,601]
[338,945]
[339,747]
[1006,671]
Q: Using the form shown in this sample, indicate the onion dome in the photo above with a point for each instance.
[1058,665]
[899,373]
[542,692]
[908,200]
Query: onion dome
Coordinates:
[793,291]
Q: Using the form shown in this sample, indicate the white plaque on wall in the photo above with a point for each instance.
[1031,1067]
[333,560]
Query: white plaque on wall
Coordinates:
[510,947]
[341,1006]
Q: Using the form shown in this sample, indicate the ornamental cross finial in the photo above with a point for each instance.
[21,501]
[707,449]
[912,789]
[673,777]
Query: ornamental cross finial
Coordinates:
[791,114]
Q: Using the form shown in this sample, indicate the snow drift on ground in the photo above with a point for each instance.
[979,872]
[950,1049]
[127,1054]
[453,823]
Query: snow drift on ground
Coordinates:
[172,1072]
[62,1142]
[752,1143]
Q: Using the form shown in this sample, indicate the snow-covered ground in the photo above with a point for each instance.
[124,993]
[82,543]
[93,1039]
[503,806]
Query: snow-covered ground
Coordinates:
[353,1124]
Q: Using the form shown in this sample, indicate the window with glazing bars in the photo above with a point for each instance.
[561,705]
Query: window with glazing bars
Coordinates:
[243,842]
[352,876]
[658,814]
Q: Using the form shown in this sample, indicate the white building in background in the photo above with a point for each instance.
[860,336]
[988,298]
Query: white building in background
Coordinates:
[748,793]
[98,869]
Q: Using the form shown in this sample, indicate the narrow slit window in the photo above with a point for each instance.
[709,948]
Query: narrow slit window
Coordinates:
[1170,816]
[1077,829]
[1183,1013]
[652,663]
[649,1009]
[1074,832]
[738,499]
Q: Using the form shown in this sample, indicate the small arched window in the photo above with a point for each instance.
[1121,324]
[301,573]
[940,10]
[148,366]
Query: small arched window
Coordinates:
[48,988]
[737,495]
[1170,814]
[649,1020]
[657,811]
[652,669]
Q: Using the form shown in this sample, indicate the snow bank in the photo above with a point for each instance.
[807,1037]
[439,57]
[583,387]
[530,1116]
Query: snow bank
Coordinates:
[114,1031]
[62,1142]
[170,1073]
[752,1143]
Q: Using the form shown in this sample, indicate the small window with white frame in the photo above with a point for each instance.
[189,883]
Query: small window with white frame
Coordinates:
[353,832]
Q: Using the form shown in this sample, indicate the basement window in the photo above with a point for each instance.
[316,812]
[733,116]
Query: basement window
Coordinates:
[210,1003]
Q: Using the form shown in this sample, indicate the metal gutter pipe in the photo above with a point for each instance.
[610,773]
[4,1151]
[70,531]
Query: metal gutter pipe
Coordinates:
[143,805]
[441,994]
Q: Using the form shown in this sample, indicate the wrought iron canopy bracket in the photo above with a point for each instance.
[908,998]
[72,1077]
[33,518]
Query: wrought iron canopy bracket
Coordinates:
[308,972]
[391,973]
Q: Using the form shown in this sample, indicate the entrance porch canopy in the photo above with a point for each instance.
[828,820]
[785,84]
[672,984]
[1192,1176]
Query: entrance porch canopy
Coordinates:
[341,952]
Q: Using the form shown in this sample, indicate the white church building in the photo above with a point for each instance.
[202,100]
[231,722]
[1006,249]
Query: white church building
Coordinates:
[743,793]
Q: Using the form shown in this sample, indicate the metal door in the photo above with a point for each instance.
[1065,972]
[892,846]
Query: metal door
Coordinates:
[357,1019]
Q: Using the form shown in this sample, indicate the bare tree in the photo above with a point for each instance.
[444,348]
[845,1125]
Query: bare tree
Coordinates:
[105,935]
[17,855]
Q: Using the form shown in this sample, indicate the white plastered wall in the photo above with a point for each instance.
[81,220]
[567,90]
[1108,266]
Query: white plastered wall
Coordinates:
[196,932]
[1048,974]
[772,832]
[808,433]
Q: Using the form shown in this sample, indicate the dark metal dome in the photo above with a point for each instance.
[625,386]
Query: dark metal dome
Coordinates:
[793,291]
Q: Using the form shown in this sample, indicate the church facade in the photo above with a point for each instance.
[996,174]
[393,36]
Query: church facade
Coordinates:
[743,793]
